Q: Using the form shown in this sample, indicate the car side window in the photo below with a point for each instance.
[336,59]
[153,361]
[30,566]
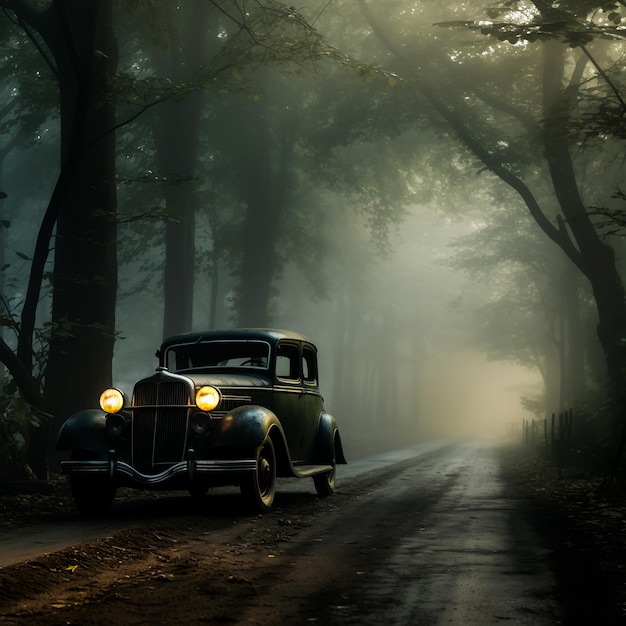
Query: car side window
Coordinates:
[288,362]
[309,366]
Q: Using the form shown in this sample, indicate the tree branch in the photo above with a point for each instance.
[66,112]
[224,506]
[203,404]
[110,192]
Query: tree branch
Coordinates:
[26,383]
[561,238]
[61,189]
[604,75]
[505,107]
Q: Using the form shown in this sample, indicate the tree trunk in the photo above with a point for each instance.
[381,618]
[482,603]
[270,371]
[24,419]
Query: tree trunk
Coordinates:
[215,279]
[597,258]
[573,380]
[3,237]
[177,141]
[85,262]
[259,264]
[551,374]
[177,138]
[340,342]
[178,279]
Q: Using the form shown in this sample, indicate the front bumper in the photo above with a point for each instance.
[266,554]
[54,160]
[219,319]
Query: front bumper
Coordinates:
[191,470]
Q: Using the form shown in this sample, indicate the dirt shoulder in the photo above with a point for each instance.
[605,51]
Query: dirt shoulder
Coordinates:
[584,523]
[147,575]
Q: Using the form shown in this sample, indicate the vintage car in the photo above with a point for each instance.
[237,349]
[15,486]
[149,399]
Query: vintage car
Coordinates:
[233,407]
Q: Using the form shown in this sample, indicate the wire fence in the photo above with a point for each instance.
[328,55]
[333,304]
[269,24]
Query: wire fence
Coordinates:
[555,435]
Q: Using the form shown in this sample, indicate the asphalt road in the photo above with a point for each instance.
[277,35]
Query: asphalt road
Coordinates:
[427,535]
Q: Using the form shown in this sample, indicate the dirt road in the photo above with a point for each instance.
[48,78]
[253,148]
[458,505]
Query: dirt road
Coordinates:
[432,536]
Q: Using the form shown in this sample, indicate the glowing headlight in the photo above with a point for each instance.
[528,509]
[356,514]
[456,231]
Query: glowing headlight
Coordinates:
[111,400]
[207,398]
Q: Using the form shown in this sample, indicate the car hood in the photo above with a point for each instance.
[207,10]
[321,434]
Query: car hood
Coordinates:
[227,379]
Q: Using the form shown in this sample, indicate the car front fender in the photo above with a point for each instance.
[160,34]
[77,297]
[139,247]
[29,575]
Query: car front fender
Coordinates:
[328,448]
[245,427]
[85,431]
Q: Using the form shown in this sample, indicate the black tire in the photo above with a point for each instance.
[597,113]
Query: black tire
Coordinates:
[197,492]
[325,483]
[92,495]
[260,487]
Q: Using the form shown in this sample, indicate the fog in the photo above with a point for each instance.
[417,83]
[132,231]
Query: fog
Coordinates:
[412,371]
[464,395]
[374,179]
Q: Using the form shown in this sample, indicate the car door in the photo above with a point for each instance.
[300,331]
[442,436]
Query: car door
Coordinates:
[312,404]
[288,400]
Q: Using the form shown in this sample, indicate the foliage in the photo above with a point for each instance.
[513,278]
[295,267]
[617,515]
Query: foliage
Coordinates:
[15,418]
[575,22]
[612,221]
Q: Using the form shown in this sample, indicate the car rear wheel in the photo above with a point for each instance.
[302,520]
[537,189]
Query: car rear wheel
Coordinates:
[260,487]
[325,482]
[92,495]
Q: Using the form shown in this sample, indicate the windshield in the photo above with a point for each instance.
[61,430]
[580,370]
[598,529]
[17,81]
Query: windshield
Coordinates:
[211,354]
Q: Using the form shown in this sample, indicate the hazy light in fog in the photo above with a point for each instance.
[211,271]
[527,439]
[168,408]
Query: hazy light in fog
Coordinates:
[464,395]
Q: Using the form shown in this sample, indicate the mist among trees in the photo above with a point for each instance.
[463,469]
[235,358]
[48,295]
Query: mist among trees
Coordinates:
[398,182]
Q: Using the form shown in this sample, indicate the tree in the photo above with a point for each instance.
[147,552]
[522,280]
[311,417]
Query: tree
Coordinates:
[176,132]
[235,55]
[79,37]
[78,42]
[475,110]
[533,314]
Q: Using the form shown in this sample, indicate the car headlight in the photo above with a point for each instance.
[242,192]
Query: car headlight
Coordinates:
[111,400]
[207,398]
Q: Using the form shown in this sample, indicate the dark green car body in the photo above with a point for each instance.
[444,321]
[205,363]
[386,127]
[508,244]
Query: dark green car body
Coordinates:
[270,421]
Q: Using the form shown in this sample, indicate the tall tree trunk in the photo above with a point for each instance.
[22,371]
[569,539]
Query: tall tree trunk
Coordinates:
[4,153]
[85,262]
[179,272]
[340,342]
[551,374]
[571,343]
[258,182]
[177,137]
[215,279]
[578,356]
[597,258]
[2,255]
[178,140]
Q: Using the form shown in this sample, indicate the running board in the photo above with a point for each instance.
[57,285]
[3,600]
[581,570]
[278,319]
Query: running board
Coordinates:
[302,471]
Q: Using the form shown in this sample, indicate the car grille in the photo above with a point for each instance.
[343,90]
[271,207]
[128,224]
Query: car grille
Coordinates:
[159,426]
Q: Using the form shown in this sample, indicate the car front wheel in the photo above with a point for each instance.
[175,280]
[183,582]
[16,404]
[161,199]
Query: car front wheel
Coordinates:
[92,495]
[260,487]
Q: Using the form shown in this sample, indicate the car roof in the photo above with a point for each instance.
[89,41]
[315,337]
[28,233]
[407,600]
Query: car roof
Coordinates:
[272,335]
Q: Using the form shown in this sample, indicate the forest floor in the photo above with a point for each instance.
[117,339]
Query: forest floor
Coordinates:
[583,521]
